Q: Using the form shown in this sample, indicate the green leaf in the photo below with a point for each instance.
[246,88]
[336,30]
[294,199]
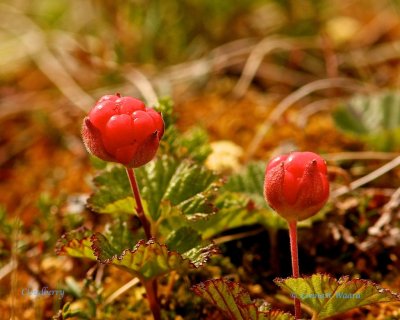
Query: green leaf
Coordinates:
[76,243]
[327,296]
[234,301]
[249,181]
[146,260]
[375,118]
[183,183]
[183,239]
[232,213]
[113,193]
[123,231]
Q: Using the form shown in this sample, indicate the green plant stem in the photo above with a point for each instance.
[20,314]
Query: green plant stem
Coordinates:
[139,206]
[150,286]
[295,262]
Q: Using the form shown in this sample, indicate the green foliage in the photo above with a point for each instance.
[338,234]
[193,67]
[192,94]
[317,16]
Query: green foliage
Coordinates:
[374,118]
[147,260]
[328,297]
[111,186]
[184,184]
[76,243]
[249,181]
[235,302]
[123,231]
[232,213]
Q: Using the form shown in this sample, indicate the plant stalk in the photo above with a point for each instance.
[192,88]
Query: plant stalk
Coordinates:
[139,206]
[295,262]
[151,291]
[150,286]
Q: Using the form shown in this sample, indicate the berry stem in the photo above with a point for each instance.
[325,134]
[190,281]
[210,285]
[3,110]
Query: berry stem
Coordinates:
[295,262]
[139,206]
[151,291]
[151,285]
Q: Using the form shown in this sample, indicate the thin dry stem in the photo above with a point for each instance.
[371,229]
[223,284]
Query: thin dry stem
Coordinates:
[363,155]
[286,103]
[35,43]
[121,291]
[367,178]
[144,86]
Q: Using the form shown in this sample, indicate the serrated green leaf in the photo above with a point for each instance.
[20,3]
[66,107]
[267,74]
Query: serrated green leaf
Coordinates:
[375,118]
[235,210]
[185,184]
[249,181]
[146,260]
[188,180]
[76,243]
[200,254]
[183,239]
[120,207]
[232,299]
[112,186]
[327,296]
[123,231]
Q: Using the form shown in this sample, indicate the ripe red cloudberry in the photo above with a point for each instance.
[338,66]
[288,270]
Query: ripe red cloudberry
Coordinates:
[123,130]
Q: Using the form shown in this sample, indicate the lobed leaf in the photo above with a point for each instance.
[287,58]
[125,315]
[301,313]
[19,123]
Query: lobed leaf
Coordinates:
[123,231]
[183,183]
[76,243]
[146,260]
[234,301]
[113,193]
[327,296]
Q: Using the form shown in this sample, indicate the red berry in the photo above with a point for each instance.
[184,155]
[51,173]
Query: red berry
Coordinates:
[118,132]
[158,121]
[144,125]
[122,129]
[129,105]
[296,185]
[101,113]
[108,97]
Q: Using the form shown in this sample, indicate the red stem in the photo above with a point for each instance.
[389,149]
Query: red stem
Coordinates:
[151,290]
[151,285]
[139,206]
[295,262]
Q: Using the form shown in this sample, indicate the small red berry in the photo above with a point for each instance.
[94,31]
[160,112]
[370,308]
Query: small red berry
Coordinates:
[296,185]
[123,130]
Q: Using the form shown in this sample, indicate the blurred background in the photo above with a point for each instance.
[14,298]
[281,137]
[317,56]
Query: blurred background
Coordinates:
[259,76]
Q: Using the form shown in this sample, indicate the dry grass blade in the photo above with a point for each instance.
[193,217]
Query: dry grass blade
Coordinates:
[286,103]
[254,61]
[121,291]
[365,155]
[34,42]
[367,178]
[140,81]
